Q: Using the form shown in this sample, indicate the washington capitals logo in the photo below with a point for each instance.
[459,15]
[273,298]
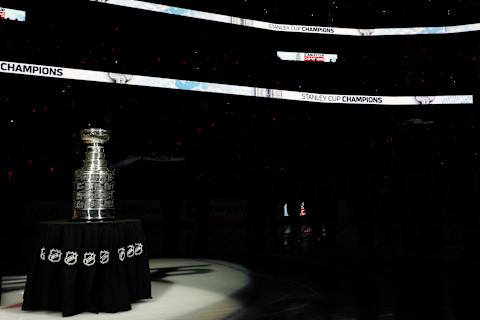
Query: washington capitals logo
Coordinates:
[70,258]
[138,249]
[55,255]
[121,254]
[89,259]
[104,256]
[131,251]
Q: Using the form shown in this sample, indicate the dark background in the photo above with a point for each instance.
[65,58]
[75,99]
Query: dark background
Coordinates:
[391,192]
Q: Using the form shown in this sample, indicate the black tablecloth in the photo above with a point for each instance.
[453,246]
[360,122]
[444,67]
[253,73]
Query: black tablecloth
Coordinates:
[88,266]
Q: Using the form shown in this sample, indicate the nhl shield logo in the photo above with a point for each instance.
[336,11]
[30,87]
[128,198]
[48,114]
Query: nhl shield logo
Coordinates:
[70,258]
[138,249]
[424,99]
[130,251]
[55,255]
[42,253]
[89,259]
[121,254]
[104,256]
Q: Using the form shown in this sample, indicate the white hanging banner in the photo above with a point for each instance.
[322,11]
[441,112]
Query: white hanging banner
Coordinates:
[167,83]
[155,7]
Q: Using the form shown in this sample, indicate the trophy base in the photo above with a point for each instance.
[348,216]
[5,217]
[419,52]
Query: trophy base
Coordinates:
[93,214]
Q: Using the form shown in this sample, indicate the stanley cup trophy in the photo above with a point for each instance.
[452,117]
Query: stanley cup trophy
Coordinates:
[93,182]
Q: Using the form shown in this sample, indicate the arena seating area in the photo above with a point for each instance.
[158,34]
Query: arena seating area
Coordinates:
[375,157]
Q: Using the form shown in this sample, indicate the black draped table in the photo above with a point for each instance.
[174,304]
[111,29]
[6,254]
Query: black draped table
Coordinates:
[88,266]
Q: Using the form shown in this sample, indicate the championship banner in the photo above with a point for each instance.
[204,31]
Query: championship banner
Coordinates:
[12,14]
[307,57]
[289,27]
[167,83]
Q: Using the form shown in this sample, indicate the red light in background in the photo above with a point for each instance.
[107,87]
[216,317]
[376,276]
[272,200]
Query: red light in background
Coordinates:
[302,210]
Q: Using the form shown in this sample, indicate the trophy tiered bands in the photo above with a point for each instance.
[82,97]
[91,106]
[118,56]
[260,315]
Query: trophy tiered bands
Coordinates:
[93,182]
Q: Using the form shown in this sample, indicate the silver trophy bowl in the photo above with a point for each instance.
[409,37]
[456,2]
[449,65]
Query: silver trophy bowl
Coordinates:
[95,136]
[93,183]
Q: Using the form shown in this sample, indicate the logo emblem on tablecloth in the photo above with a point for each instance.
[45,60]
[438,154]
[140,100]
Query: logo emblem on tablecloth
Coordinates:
[42,253]
[55,255]
[120,77]
[121,254]
[366,32]
[70,258]
[131,251]
[104,256]
[138,249]
[89,259]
